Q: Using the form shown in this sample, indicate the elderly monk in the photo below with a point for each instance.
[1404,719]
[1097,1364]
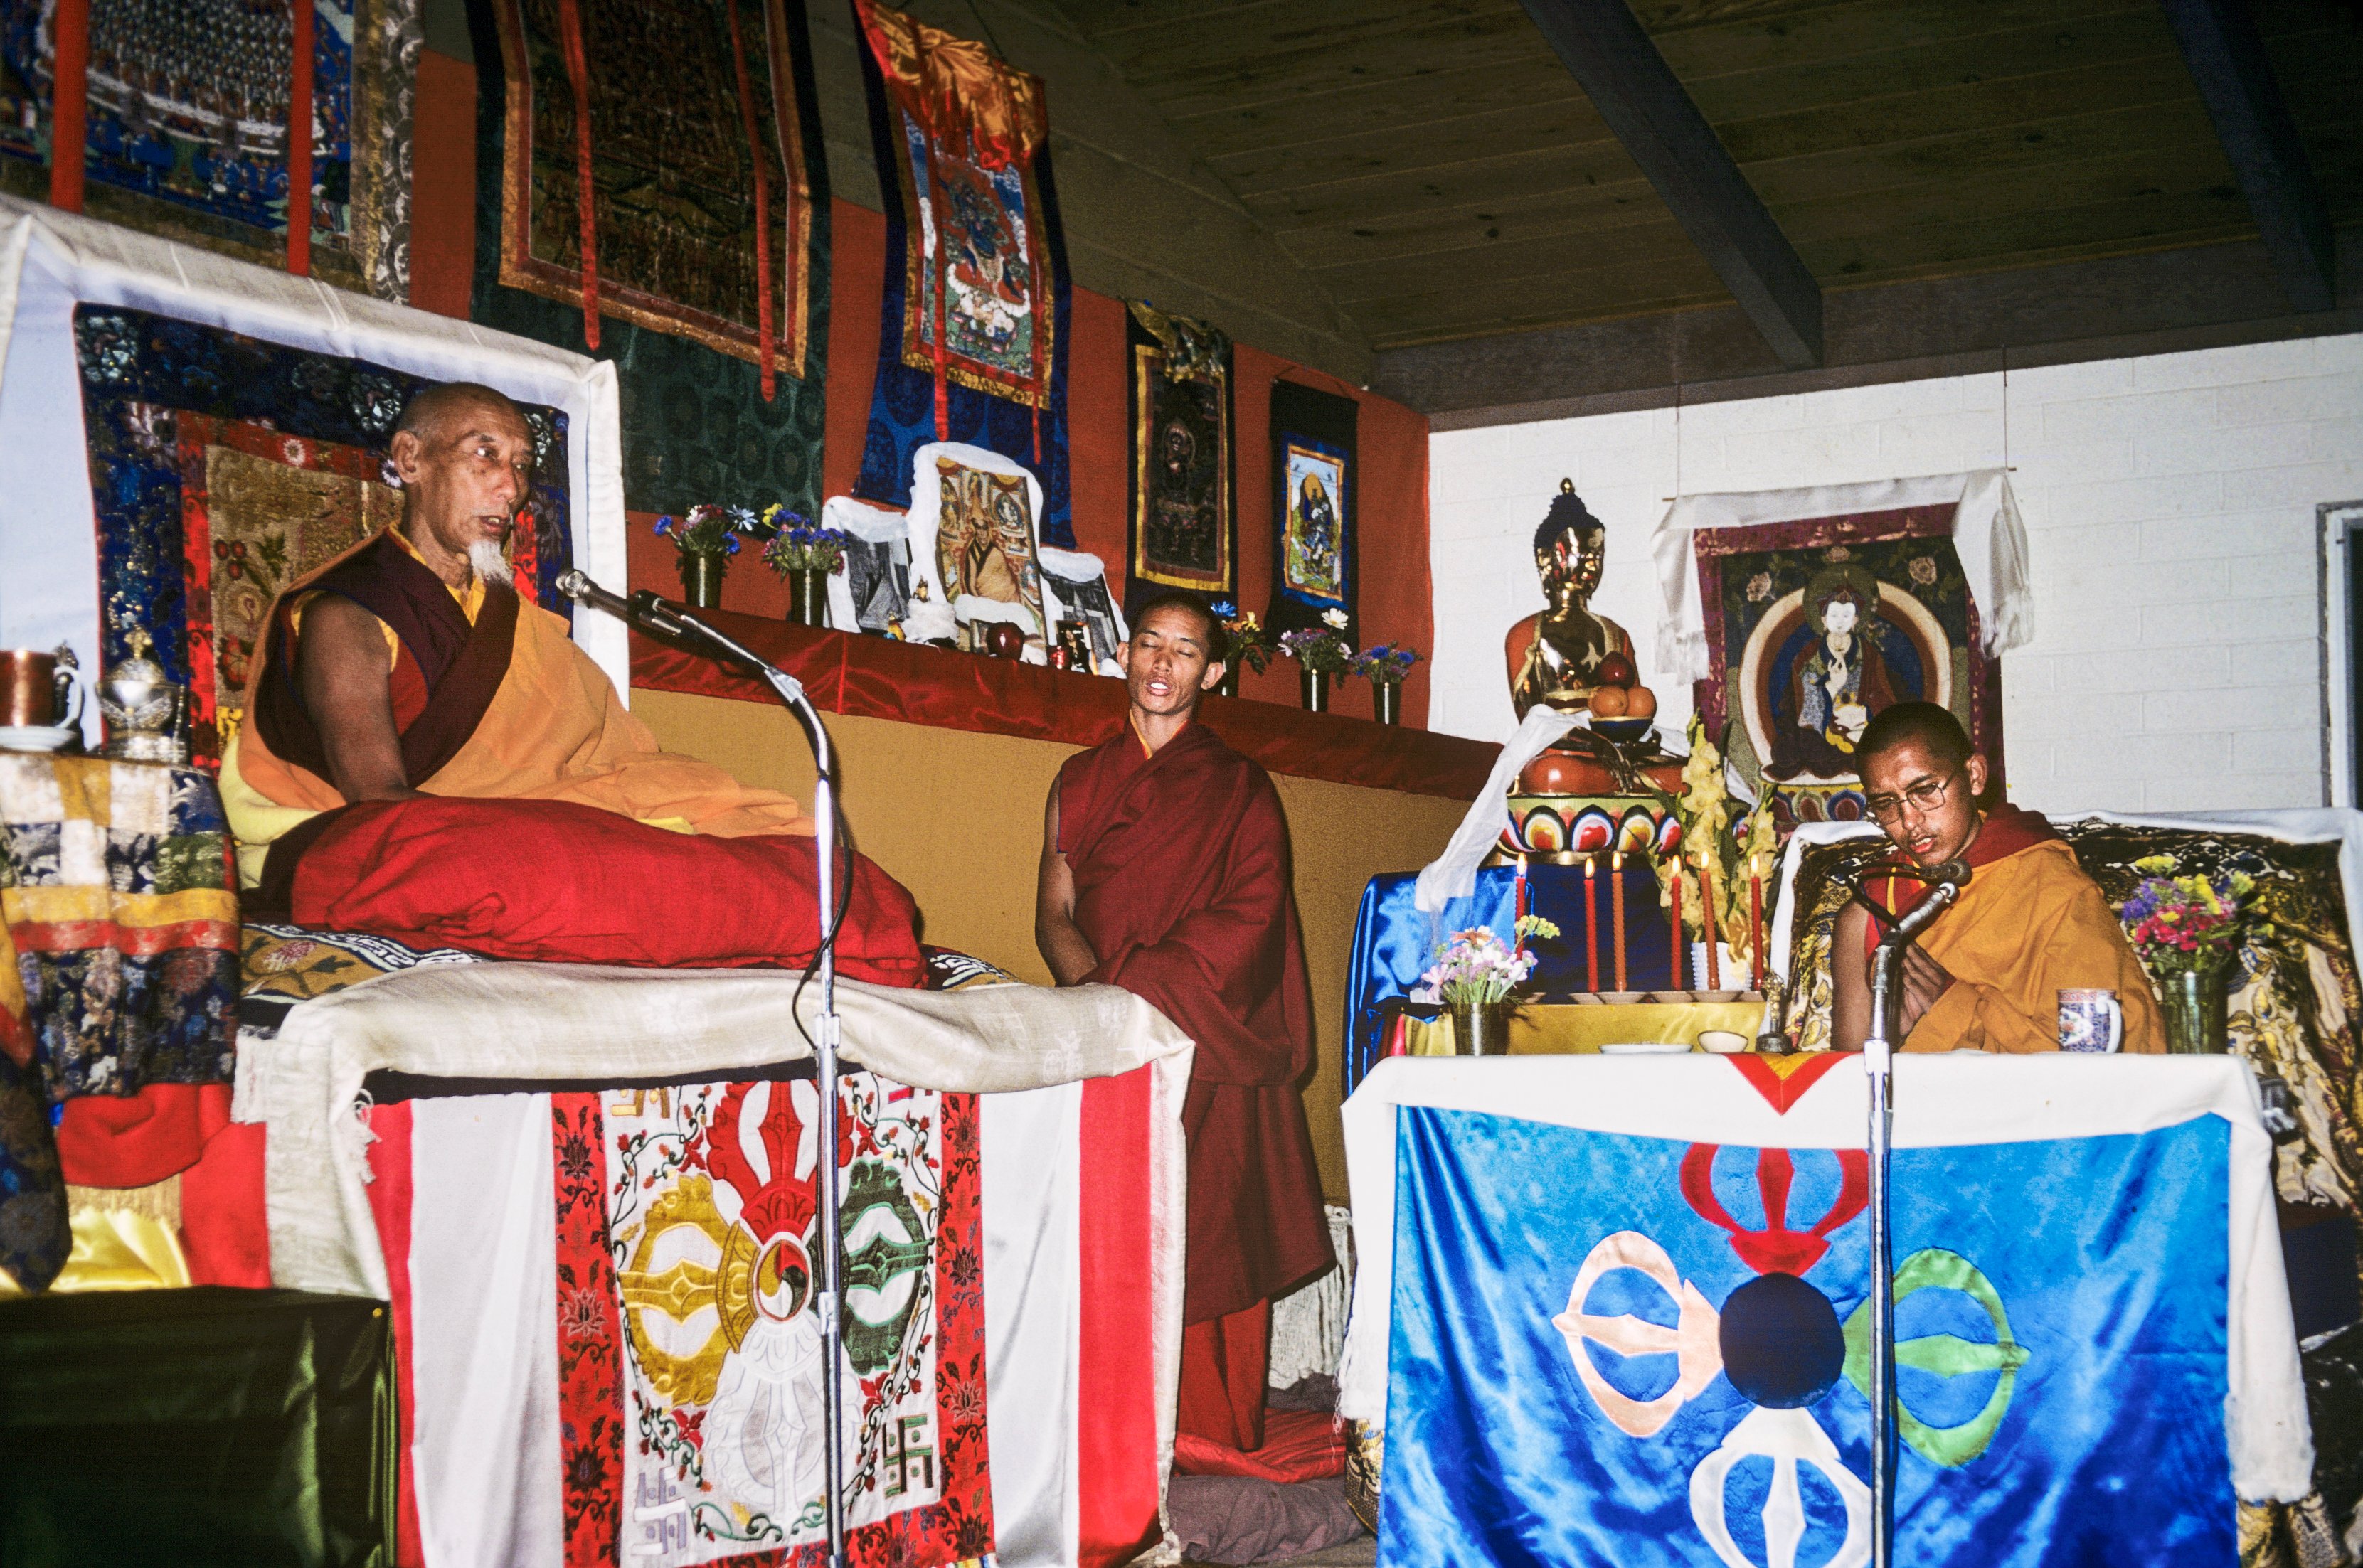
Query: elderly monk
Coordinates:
[1988,974]
[1165,871]
[408,672]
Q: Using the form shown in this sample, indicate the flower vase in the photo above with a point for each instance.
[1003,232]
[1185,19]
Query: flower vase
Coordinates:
[701,579]
[1229,685]
[1386,701]
[808,597]
[2195,1005]
[1314,685]
[1481,1029]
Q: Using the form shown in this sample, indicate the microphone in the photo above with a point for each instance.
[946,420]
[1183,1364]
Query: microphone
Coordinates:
[642,609]
[1948,873]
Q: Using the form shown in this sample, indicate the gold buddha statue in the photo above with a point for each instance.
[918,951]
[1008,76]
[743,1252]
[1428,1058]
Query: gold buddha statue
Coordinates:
[1554,656]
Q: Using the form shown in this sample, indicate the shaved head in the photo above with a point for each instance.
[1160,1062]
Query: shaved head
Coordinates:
[1217,641]
[430,414]
[1925,723]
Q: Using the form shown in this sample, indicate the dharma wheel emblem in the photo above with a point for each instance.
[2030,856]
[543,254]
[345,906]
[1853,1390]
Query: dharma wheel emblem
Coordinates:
[1778,1341]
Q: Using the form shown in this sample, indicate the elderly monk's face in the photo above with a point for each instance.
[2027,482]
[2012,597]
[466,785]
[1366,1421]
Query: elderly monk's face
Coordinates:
[1927,806]
[1166,663]
[465,475]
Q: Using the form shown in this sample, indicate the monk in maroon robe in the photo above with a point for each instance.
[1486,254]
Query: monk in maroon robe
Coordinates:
[1165,871]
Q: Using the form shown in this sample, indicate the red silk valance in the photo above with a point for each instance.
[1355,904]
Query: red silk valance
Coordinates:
[913,684]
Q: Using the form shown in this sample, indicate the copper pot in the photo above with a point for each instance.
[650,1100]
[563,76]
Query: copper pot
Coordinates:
[33,689]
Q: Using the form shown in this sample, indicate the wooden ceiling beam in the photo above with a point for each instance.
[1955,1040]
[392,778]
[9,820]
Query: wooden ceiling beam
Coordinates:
[1611,57]
[2226,55]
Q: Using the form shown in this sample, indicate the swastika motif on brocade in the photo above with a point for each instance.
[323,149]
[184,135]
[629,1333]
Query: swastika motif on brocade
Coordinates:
[690,1341]
[187,125]
[691,103]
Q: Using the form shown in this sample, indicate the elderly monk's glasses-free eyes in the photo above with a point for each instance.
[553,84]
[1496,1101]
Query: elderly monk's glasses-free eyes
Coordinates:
[1927,794]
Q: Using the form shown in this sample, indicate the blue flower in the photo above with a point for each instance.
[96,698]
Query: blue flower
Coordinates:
[1223,609]
[664,524]
[730,543]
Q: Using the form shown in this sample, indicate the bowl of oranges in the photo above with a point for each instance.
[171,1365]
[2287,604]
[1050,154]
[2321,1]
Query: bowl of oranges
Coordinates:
[1622,709]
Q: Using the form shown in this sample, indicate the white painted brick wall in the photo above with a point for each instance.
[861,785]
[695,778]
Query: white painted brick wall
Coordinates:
[2169,506]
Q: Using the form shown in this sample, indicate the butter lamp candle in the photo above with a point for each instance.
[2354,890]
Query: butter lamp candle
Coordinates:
[1590,924]
[1706,915]
[1681,981]
[1756,929]
[1616,904]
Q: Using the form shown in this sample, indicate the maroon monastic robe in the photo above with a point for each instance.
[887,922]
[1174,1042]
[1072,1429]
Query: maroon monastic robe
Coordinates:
[1181,888]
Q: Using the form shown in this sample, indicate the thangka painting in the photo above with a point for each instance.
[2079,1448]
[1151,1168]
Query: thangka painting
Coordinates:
[690,1355]
[187,125]
[1184,532]
[693,165]
[224,468]
[984,542]
[1814,626]
[972,337]
[1313,506]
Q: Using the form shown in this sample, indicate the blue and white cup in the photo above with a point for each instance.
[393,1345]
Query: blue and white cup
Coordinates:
[2091,1021]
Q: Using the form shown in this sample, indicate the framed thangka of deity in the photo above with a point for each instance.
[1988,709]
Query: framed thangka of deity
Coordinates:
[1813,626]
[1184,533]
[1314,500]
[974,534]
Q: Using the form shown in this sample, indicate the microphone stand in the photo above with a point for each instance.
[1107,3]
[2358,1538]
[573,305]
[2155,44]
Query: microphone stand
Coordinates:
[645,610]
[1879,1063]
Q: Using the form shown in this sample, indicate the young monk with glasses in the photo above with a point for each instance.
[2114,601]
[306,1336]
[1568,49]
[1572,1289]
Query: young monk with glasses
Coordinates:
[2030,925]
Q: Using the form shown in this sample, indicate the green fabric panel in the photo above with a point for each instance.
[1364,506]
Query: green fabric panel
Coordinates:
[196,1427]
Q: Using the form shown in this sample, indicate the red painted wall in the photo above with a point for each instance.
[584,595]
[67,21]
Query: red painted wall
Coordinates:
[1395,600]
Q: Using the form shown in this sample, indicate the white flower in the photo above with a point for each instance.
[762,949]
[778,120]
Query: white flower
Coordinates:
[1335,620]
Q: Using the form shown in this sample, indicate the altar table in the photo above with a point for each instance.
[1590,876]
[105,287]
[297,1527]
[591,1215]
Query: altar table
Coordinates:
[1563,1029]
[1614,1310]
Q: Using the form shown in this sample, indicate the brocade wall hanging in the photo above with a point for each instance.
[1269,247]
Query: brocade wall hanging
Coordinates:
[1313,486]
[1184,529]
[187,118]
[1808,625]
[224,468]
[711,233]
[973,338]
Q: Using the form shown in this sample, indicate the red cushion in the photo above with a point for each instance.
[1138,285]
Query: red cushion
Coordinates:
[551,881]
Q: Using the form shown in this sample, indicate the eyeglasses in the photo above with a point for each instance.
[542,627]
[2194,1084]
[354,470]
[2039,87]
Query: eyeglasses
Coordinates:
[1927,795]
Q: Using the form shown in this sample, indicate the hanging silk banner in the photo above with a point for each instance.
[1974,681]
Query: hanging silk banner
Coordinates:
[1184,527]
[972,336]
[693,167]
[1659,1355]
[1313,486]
[186,126]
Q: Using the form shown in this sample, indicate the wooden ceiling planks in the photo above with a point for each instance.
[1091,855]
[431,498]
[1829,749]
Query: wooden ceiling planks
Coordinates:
[1442,176]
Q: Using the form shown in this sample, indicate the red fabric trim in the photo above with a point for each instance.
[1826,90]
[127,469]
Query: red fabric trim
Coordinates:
[1781,1092]
[590,1370]
[877,678]
[578,78]
[443,186]
[299,143]
[69,106]
[1115,1397]
[133,941]
[138,1140]
[389,1201]
[225,1229]
[766,347]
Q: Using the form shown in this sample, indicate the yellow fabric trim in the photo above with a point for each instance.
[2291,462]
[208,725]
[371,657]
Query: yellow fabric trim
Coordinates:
[117,1249]
[139,910]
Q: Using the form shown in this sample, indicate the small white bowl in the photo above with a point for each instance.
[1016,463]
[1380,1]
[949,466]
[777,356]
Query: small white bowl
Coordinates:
[1722,1041]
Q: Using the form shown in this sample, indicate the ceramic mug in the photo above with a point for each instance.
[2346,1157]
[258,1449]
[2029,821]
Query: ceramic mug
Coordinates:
[2091,1021]
[33,690]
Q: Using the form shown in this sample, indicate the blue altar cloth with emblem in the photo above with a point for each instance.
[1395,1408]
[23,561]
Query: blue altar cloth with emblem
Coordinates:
[1642,1341]
[1394,943]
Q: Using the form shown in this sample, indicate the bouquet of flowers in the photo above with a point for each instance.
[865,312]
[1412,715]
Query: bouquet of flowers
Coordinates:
[1472,967]
[797,545]
[1249,647]
[1385,665]
[709,530]
[2190,924]
[1324,650]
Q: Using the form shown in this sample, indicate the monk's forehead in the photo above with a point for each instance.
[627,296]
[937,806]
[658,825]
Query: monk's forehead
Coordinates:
[1901,763]
[475,414]
[1175,621]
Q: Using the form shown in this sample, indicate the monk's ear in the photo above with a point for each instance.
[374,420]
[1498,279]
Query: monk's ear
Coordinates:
[1213,678]
[405,449]
[1124,655]
[1976,768]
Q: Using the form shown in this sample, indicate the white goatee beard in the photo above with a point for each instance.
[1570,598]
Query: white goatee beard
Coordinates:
[485,557]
